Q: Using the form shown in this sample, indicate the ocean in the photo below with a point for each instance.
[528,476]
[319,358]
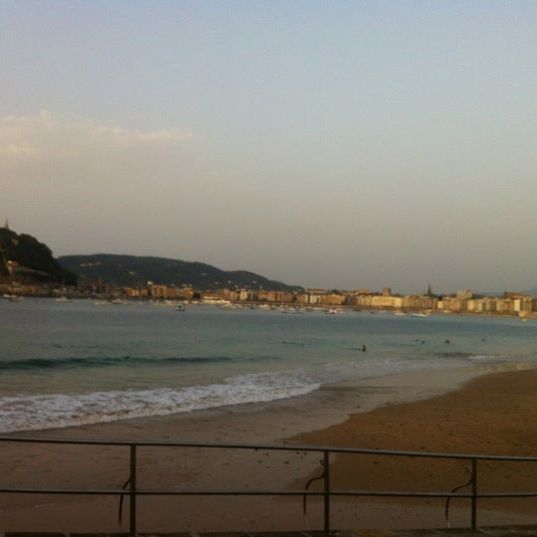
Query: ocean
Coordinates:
[74,363]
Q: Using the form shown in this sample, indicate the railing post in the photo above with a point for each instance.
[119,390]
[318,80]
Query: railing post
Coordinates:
[132,495]
[326,463]
[474,494]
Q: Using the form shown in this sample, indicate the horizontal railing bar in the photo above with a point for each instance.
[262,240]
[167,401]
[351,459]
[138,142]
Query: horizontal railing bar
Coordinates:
[507,495]
[232,493]
[271,447]
[301,493]
[92,492]
[187,492]
[69,441]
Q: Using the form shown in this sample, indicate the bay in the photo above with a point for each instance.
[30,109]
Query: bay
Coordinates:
[76,362]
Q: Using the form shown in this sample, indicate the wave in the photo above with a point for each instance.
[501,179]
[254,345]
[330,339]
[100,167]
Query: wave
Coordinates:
[126,360]
[32,412]
[453,354]
[494,357]
[485,358]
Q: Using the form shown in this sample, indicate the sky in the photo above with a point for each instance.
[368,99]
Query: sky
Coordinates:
[338,144]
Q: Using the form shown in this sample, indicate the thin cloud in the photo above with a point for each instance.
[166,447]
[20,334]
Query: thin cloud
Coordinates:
[46,135]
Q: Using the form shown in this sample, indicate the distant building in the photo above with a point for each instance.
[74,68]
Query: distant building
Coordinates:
[12,267]
[310,298]
[465,294]
[265,296]
[361,292]
[419,302]
[453,304]
[247,295]
[476,305]
[386,302]
[505,305]
[332,299]
[158,291]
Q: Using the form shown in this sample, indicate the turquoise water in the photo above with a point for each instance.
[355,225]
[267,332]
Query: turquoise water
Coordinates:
[74,363]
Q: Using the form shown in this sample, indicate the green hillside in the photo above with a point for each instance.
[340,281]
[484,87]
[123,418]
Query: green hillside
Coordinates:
[129,270]
[32,260]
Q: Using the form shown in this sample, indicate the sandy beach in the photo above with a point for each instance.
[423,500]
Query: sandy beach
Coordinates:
[473,410]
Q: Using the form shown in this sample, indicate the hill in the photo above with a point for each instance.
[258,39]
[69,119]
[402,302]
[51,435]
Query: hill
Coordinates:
[23,258]
[130,270]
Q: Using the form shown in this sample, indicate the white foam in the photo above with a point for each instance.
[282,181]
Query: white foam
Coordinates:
[492,358]
[23,413]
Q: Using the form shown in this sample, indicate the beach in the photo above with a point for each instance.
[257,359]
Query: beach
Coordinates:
[487,409]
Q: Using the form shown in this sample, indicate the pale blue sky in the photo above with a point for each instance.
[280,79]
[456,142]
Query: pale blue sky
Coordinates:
[337,144]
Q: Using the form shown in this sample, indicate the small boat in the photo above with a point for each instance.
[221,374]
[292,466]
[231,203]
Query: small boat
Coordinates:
[419,315]
[62,299]
[179,307]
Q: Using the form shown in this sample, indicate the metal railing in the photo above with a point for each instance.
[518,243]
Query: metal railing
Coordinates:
[327,493]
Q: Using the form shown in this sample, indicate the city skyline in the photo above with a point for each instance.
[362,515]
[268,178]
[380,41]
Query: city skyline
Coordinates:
[79,264]
[384,143]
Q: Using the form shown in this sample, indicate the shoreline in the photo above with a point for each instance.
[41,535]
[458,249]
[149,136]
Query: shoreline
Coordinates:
[321,417]
[338,401]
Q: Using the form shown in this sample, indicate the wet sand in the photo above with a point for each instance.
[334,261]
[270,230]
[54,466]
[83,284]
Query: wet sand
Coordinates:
[488,414]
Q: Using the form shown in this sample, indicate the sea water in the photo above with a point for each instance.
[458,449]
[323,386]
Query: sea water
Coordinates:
[79,362]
